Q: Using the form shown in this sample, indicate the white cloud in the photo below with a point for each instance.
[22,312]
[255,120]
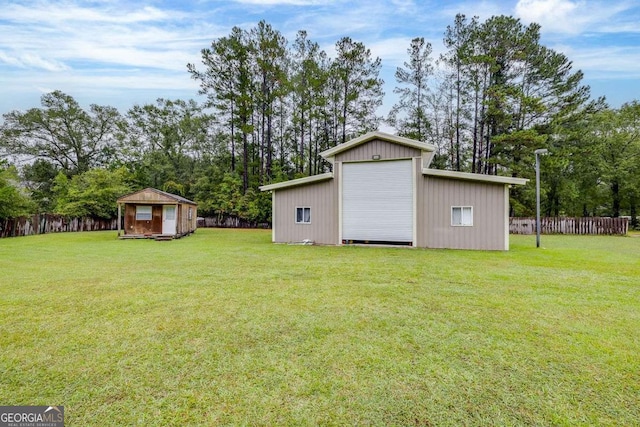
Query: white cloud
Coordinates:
[30,60]
[55,36]
[590,34]
[117,50]
[10,60]
[44,90]
[604,62]
[286,2]
[553,15]
[570,16]
[53,13]
[405,6]
[33,60]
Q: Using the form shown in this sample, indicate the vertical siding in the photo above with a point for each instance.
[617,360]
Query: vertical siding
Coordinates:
[193,223]
[186,226]
[321,198]
[154,226]
[129,219]
[420,212]
[384,149]
[488,202]
[506,218]
[274,216]
[180,219]
[415,176]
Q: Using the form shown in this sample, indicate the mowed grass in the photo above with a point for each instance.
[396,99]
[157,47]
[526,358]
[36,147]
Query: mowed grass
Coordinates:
[226,328]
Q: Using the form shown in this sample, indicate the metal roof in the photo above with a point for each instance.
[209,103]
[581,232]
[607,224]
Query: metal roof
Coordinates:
[175,197]
[296,182]
[474,177]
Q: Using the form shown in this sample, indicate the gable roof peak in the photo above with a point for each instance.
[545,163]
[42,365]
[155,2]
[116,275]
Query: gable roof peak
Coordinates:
[171,196]
[370,136]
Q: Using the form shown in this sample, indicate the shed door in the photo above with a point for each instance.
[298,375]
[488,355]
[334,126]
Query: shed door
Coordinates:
[169,219]
[377,201]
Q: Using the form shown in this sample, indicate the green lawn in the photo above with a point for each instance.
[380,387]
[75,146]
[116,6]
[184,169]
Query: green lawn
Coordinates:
[226,328]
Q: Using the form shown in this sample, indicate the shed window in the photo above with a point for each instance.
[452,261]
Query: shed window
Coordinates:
[143,213]
[462,216]
[190,214]
[170,213]
[303,215]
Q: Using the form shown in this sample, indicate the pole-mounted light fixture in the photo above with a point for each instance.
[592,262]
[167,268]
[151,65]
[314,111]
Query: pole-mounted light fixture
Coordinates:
[538,153]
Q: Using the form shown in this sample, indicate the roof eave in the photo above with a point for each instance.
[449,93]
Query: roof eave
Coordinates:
[297,182]
[175,197]
[494,179]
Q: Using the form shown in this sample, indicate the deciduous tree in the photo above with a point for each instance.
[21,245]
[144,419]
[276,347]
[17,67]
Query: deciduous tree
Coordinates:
[165,140]
[92,193]
[63,133]
[13,201]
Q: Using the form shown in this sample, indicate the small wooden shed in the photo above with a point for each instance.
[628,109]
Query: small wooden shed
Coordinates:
[152,213]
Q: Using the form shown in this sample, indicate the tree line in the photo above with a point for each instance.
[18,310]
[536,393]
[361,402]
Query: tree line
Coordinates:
[272,106]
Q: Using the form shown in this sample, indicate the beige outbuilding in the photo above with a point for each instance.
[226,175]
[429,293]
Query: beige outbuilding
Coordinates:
[382,191]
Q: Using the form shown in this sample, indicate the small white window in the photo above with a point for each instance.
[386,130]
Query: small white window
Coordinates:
[303,215]
[190,215]
[143,213]
[462,216]
[170,213]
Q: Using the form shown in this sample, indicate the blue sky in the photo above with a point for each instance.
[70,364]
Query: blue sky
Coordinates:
[124,52]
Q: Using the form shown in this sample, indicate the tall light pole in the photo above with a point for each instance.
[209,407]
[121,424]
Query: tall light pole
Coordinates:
[538,152]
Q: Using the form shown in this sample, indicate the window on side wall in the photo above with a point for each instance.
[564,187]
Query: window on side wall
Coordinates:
[303,215]
[143,213]
[462,216]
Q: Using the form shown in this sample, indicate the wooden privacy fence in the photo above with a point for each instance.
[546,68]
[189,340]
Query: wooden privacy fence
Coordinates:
[229,221]
[560,225]
[46,223]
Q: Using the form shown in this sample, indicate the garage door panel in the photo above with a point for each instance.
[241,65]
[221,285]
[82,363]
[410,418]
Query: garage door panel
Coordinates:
[378,201]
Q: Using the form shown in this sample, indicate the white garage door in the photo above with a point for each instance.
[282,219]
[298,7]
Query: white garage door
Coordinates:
[377,201]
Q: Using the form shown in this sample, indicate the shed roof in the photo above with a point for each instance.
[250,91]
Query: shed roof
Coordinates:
[137,196]
[331,152]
